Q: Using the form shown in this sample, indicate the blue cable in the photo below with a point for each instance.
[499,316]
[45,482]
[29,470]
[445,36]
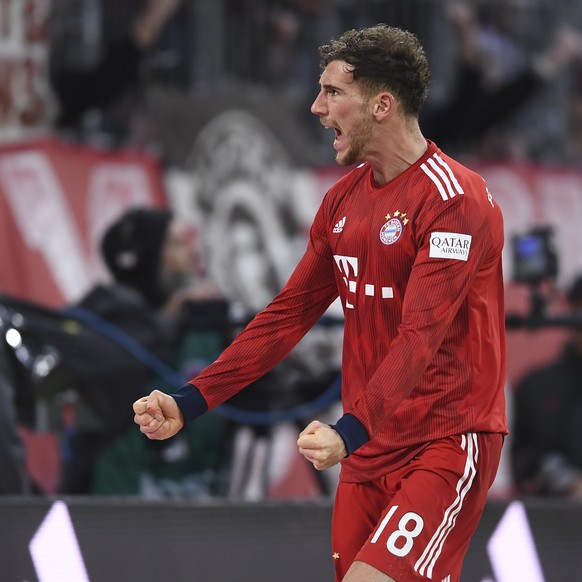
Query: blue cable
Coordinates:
[168,374]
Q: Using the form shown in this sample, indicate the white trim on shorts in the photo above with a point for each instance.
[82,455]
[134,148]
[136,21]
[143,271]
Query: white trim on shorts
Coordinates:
[426,563]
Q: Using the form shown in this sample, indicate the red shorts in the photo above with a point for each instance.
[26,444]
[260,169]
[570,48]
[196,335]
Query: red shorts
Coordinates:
[416,522]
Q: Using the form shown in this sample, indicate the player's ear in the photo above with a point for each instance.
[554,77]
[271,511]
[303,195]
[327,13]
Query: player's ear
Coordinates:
[383,105]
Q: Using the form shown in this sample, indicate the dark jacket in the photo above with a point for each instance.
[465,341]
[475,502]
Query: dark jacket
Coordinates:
[547,431]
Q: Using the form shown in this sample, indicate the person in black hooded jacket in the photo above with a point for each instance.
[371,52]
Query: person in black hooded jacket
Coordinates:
[158,282]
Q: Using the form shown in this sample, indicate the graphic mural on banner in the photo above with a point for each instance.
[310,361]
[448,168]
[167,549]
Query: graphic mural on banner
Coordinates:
[246,198]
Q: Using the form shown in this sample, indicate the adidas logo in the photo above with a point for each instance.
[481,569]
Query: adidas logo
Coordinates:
[340,225]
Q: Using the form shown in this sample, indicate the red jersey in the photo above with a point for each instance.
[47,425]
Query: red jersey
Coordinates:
[417,265]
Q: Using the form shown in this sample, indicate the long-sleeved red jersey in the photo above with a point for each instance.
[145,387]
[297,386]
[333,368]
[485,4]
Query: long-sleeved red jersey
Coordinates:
[417,265]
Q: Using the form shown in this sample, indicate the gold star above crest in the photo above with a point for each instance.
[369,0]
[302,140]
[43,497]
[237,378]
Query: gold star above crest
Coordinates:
[335,556]
[397,214]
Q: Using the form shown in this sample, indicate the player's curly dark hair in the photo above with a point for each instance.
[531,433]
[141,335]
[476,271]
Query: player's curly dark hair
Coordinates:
[383,58]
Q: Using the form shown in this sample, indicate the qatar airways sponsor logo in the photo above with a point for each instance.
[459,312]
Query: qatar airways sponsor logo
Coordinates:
[450,245]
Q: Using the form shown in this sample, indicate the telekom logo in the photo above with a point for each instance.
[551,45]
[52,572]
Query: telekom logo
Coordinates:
[348,267]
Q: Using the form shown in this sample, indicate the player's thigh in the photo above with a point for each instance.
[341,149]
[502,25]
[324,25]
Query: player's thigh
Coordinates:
[424,531]
[362,572]
[355,514]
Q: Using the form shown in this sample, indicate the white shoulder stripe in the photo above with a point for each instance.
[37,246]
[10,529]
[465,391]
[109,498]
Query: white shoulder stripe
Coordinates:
[442,176]
[450,173]
[436,181]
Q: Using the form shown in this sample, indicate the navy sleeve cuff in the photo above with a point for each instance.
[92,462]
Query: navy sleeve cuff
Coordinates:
[352,432]
[190,402]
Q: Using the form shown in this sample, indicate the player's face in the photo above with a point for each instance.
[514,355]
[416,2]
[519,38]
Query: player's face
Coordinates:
[341,106]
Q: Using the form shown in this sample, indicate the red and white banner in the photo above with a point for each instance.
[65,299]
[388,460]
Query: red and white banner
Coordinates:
[55,201]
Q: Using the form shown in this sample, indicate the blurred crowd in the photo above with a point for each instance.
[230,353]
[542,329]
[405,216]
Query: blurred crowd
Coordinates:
[507,74]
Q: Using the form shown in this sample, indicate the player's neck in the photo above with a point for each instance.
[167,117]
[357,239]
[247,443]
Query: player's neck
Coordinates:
[399,150]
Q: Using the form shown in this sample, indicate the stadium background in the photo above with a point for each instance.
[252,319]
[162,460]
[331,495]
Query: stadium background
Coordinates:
[222,123]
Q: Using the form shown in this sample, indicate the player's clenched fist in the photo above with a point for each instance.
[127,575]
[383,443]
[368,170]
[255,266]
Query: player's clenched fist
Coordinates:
[321,445]
[158,416]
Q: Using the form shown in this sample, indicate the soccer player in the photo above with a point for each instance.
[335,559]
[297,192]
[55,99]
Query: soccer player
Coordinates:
[411,242]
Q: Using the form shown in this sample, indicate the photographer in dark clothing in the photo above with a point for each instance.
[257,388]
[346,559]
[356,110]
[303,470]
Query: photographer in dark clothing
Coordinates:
[547,432]
[158,282]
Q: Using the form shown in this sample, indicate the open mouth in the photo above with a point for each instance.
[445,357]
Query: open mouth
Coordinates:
[337,133]
[336,130]
[338,136]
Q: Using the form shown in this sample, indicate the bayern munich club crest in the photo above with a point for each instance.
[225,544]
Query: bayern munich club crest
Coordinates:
[392,230]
